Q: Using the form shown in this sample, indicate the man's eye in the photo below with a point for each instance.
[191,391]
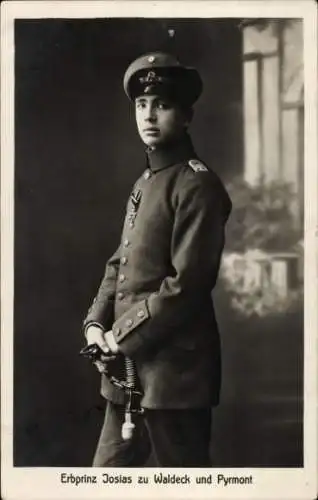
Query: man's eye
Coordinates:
[140,105]
[163,105]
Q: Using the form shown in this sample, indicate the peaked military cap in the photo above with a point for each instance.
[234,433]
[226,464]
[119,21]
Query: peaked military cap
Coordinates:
[162,74]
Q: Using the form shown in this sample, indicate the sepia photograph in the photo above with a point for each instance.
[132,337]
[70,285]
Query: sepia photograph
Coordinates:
[158,306]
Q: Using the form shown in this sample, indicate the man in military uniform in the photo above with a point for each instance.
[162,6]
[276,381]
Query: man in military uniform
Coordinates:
[154,304]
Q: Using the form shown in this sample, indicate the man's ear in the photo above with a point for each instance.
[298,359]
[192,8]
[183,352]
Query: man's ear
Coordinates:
[188,112]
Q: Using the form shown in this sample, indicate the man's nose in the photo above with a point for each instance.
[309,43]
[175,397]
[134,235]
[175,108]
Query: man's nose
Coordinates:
[150,114]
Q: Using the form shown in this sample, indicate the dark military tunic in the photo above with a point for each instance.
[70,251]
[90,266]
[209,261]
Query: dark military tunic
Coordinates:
[156,292]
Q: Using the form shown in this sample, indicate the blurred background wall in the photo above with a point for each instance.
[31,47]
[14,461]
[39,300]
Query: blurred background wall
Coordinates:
[77,155]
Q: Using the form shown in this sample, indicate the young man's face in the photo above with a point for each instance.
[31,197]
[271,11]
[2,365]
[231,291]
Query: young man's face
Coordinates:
[159,121]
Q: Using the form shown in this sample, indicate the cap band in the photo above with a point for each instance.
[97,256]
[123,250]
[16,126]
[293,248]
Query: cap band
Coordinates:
[152,77]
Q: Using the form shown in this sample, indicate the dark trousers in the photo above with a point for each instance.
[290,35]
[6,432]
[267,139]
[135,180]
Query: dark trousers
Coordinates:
[176,438]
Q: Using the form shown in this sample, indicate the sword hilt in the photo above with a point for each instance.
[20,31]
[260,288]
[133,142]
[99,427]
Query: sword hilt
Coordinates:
[133,396]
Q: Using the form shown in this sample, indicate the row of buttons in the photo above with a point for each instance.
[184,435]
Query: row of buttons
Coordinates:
[120,295]
[122,277]
[124,259]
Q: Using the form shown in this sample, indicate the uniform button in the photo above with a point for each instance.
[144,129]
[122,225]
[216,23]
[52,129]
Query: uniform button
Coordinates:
[117,331]
[120,295]
[129,322]
[140,313]
[122,278]
[147,175]
[124,260]
[126,243]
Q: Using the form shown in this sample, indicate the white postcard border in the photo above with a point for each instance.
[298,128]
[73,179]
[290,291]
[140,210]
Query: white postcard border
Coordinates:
[45,483]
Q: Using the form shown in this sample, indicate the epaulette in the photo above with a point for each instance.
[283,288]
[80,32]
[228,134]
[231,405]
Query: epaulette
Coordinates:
[198,166]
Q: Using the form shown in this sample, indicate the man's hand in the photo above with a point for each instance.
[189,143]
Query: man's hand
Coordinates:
[111,342]
[96,335]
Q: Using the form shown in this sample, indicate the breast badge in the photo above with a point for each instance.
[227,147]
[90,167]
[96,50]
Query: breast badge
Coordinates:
[135,199]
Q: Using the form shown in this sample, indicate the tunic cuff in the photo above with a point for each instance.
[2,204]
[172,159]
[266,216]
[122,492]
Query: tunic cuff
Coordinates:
[133,318]
[93,323]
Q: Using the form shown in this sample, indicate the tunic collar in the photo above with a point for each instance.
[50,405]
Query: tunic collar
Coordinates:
[160,158]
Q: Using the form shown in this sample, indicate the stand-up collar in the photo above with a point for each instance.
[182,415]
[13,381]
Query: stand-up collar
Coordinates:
[163,157]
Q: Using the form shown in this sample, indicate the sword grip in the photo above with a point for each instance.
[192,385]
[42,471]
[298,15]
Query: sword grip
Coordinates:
[128,426]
